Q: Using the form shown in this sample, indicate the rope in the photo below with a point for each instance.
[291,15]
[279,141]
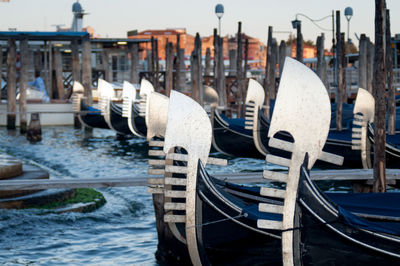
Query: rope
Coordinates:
[311,226]
[221,220]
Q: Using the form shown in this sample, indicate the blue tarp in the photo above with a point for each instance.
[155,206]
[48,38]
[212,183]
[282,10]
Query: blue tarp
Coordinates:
[379,204]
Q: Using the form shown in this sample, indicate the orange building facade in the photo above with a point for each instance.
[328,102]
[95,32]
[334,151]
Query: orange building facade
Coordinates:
[256,52]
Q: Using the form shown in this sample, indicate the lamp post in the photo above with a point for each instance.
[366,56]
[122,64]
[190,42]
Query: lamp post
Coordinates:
[348,13]
[296,24]
[219,11]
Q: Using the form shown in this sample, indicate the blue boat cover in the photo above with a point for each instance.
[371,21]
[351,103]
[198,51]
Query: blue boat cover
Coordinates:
[92,110]
[237,124]
[380,204]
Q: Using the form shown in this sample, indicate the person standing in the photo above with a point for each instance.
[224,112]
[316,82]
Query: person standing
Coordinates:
[38,84]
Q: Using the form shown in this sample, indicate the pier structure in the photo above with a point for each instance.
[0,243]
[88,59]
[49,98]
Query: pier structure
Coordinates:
[60,58]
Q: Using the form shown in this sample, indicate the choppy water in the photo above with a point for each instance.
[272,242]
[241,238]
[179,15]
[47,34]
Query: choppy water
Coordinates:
[121,232]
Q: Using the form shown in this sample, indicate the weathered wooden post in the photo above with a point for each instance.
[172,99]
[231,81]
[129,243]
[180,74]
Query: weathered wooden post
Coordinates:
[76,66]
[274,60]
[239,71]
[1,64]
[50,71]
[87,70]
[232,62]
[23,84]
[344,65]
[215,63]
[267,78]
[58,74]
[246,58]
[176,63]
[370,64]
[76,73]
[389,67]
[193,75]
[105,56]
[282,55]
[362,62]
[321,64]
[207,69]
[11,83]
[299,43]
[379,89]
[156,66]
[152,68]
[339,82]
[169,54]
[134,54]
[221,74]
[199,75]
[34,132]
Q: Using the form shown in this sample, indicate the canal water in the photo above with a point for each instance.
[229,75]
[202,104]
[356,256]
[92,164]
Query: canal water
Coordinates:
[119,233]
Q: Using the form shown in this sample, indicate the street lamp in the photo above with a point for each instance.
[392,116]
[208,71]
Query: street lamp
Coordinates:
[219,11]
[348,13]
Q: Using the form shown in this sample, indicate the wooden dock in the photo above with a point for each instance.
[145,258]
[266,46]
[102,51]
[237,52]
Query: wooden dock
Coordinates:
[238,178]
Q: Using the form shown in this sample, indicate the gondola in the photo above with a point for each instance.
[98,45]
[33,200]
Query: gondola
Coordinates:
[315,230]
[346,143]
[215,224]
[87,115]
[230,137]
[111,111]
[131,107]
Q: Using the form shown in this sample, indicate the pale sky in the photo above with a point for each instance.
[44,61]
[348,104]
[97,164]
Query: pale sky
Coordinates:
[113,18]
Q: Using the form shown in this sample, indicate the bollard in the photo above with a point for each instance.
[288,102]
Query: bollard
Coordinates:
[34,133]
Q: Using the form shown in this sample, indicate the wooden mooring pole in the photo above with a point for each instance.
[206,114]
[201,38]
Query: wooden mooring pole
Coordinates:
[169,58]
[239,71]
[76,73]
[339,89]
[379,89]
[299,43]
[134,55]
[11,83]
[87,71]
[267,78]
[282,55]
[58,74]
[23,84]
[391,88]
[362,62]
[207,69]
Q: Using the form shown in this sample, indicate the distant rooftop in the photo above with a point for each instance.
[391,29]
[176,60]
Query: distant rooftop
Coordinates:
[43,35]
